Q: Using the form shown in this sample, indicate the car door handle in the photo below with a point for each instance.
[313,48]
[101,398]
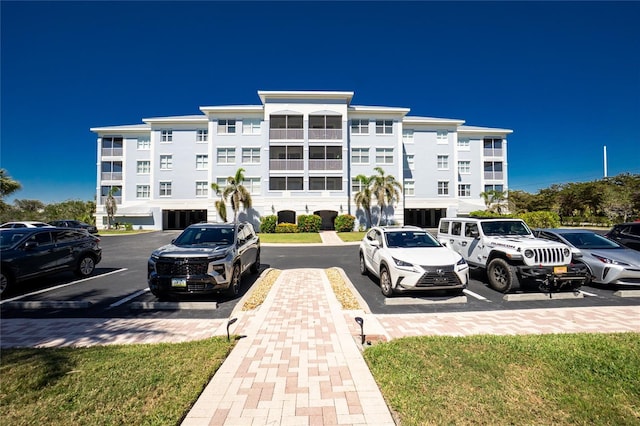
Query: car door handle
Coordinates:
[464,243]
[451,241]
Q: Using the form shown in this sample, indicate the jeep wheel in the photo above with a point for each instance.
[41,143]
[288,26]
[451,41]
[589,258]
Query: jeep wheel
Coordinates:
[255,268]
[86,265]
[502,276]
[363,265]
[234,284]
[385,282]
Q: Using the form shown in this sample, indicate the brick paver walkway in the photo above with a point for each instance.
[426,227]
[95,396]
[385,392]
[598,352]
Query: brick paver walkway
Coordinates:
[297,365]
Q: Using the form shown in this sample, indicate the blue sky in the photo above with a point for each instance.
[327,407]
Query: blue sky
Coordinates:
[564,76]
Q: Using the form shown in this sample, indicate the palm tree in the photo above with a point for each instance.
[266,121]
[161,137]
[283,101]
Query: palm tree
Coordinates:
[494,199]
[363,197]
[221,205]
[110,205]
[237,193]
[386,189]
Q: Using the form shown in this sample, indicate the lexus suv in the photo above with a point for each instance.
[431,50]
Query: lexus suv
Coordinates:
[34,252]
[408,258]
[205,258]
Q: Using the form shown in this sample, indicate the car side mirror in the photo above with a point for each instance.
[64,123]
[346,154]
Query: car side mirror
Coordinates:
[375,243]
[30,245]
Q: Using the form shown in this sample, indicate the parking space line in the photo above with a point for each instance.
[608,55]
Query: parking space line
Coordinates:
[588,294]
[129,297]
[59,286]
[475,295]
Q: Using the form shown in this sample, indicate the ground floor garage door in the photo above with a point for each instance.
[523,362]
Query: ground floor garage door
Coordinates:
[328,217]
[424,218]
[180,219]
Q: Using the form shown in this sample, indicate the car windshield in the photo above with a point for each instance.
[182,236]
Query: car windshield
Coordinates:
[205,236]
[410,239]
[506,227]
[588,240]
[10,237]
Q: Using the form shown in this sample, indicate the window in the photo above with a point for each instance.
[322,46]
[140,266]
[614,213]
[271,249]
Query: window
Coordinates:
[498,188]
[464,144]
[166,135]
[226,127]
[442,137]
[112,145]
[250,155]
[165,189]
[493,170]
[411,161]
[356,185]
[456,228]
[464,190]
[285,183]
[251,126]
[166,162]
[359,127]
[409,187]
[384,155]
[325,183]
[144,144]
[443,187]
[360,155]
[253,185]
[202,189]
[407,135]
[384,127]
[143,167]
[492,147]
[226,156]
[443,162]
[202,162]
[444,227]
[464,167]
[143,191]
[202,135]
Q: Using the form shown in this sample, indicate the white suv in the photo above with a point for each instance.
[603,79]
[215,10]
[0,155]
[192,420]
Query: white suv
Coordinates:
[408,258]
[510,254]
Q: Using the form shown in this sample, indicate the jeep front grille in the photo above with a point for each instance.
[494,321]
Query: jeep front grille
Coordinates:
[548,256]
[182,267]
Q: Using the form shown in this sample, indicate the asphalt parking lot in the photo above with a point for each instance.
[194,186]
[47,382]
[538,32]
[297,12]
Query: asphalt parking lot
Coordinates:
[118,287]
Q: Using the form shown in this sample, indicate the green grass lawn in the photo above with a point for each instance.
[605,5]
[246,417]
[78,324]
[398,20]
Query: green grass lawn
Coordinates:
[302,237]
[535,380]
[348,237]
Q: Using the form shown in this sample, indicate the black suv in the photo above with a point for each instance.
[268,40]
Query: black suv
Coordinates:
[33,252]
[205,258]
[627,234]
[70,223]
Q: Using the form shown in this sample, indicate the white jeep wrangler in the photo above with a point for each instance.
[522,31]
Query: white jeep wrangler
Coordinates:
[510,254]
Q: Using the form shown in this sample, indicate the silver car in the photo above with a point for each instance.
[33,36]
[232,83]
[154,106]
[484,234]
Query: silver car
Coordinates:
[608,261]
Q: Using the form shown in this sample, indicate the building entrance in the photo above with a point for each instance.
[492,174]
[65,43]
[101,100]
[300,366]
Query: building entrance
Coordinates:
[180,219]
[424,218]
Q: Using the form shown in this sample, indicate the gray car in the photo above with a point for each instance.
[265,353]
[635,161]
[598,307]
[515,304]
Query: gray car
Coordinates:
[608,261]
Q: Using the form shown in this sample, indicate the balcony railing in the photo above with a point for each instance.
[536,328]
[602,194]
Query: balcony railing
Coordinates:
[332,134]
[286,164]
[493,152]
[296,134]
[111,175]
[325,164]
[493,175]
[118,199]
[112,152]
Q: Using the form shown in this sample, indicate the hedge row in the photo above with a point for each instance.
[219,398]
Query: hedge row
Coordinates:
[306,223]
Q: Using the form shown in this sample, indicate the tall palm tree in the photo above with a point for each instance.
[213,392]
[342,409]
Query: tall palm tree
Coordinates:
[363,197]
[494,199]
[237,193]
[386,189]
[221,205]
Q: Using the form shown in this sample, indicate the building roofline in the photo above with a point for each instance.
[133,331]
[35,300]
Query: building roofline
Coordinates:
[432,120]
[379,109]
[305,94]
[478,129]
[177,119]
[124,128]
[232,108]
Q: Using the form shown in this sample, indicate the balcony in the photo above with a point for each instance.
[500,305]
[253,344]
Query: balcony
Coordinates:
[111,176]
[493,152]
[286,164]
[325,134]
[325,164]
[493,175]
[118,199]
[288,134]
[112,152]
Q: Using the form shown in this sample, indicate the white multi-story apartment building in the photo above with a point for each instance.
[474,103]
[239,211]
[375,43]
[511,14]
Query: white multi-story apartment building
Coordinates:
[301,152]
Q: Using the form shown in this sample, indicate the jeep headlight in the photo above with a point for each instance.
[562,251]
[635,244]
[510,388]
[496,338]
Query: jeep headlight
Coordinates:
[528,253]
[566,252]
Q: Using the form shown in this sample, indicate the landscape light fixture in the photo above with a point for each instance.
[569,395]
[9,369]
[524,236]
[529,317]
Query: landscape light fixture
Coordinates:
[231,321]
[360,322]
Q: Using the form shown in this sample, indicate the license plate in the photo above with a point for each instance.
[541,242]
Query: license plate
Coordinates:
[178,282]
[559,269]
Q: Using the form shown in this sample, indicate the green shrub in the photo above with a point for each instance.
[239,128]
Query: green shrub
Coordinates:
[286,228]
[488,214]
[344,223]
[309,223]
[268,224]
[541,219]
[128,226]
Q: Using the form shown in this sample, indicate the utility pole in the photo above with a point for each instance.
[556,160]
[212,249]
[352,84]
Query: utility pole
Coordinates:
[605,161]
